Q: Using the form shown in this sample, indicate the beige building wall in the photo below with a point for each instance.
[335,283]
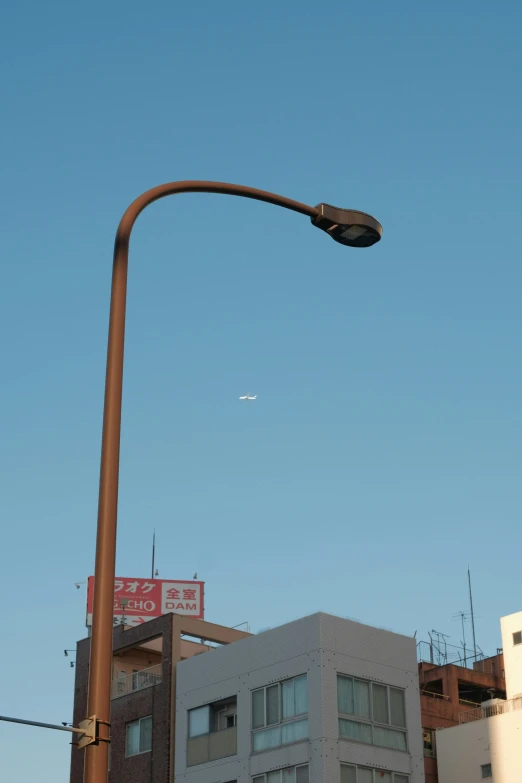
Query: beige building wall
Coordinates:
[462,750]
[510,625]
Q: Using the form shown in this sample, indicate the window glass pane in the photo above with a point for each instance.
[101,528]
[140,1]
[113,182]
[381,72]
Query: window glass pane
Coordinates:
[364,775]
[259,779]
[288,699]
[345,695]
[428,738]
[295,731]
[274,777]
[145,734]
[258,708]
[301,695]
[380,703]
[351,729]
[486,770]
[132,738]
[288,775]
[397,708]
[400,778]
[199,721]
[383,777]
[269,738]
[302,774]
[272,705]
[348,774]
[389,738]
[361,698]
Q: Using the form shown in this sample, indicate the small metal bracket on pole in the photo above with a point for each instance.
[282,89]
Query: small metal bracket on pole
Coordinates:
[90,728]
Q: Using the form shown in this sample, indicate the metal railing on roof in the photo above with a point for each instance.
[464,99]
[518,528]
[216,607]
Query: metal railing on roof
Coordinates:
[443,653]
[136,681]
[491,710]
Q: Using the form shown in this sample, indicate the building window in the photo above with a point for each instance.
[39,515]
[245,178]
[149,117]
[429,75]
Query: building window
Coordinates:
[517,637]
[214,717]
[486,771]
[138,736]
[298,774]
[278,714]
[354,774]
[212,732]
[428,736]
[377,712]
[199,721]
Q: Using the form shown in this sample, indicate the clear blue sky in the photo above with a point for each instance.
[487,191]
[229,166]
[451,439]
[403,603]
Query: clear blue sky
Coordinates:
[384,452]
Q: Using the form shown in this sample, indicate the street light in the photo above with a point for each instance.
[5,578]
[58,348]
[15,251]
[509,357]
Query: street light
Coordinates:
[355,229]
[124,602]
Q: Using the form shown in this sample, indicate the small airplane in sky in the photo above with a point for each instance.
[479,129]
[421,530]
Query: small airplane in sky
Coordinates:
[249,397]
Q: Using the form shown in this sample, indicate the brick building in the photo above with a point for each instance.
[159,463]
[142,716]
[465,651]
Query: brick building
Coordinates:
[143,713]
[448,690]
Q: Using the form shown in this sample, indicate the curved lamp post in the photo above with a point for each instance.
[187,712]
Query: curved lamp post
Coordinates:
[355,229]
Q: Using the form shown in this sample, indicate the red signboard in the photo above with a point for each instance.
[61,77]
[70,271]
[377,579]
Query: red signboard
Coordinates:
[150,598]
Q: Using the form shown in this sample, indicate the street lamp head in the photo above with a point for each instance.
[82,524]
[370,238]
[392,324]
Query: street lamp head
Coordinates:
[347,226]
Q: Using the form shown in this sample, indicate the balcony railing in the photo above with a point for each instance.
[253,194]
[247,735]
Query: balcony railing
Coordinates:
[499,708]
[467,702]
[136,681]
[213,746]
[434,695]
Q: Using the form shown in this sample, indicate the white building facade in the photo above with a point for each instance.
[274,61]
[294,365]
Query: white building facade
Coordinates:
[320,700]
[487,743]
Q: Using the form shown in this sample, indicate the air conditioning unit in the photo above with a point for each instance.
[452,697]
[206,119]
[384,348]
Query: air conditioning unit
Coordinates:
[493,707]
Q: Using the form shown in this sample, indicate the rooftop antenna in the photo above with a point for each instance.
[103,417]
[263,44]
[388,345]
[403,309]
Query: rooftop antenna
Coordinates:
[441,655]
[462,616]
[153,553]
[472,615]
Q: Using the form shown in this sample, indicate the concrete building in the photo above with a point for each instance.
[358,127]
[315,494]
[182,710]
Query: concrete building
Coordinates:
[486,743]
[320,700]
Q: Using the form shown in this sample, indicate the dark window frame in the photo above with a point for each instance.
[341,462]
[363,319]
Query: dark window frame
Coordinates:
[139,722]
[371,722]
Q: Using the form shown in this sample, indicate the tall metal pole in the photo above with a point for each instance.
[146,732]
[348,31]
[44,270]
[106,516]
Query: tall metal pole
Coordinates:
[472,616]
[99,693]
[463,619]
[153,553]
